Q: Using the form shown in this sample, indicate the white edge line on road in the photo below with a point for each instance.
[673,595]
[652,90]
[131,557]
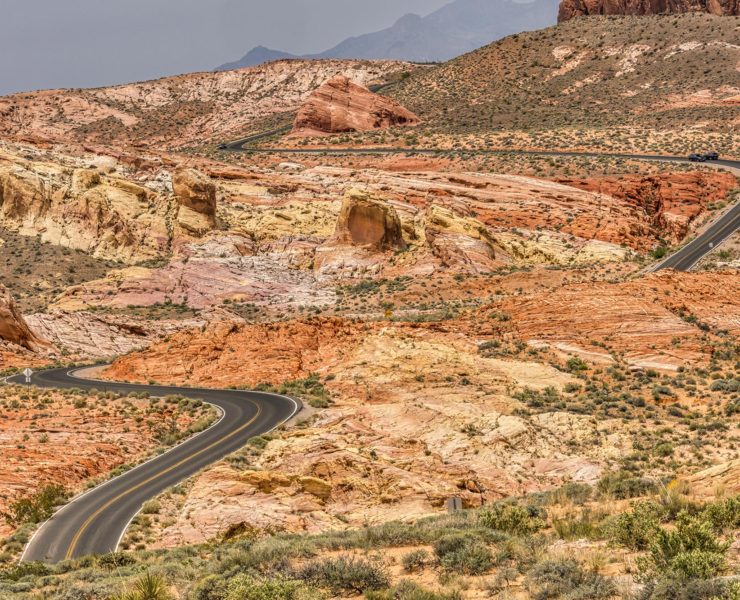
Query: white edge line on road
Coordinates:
[697,240]
[295,410]
[71,374]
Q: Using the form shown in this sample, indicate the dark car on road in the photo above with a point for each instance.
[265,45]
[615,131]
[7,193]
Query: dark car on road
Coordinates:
[223,147]
[711,156]
[697,158]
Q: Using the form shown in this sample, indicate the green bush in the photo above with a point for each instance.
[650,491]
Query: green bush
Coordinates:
[344,574]
[675,589]
[636,529]
[724,515]
[567,579]
[407,590]
[148,587]
[463,553]
[690,551]
[415,561]
[37,507]
[212,587]
[245,587]
[622,485]
[22,570]
[512,518]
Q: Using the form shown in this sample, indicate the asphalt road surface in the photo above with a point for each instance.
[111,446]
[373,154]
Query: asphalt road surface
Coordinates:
[694,251]
[683,260]
[242,145]
[95,522]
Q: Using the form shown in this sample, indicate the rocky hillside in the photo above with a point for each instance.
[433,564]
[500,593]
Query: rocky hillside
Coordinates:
[177,111]
[659,72]
[576,8]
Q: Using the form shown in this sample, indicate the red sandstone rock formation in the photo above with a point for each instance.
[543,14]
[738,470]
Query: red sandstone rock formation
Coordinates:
[577,8]
[13,327]
[671,201]
[343,106]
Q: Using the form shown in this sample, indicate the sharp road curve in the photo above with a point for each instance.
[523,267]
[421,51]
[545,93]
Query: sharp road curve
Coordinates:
[94,522]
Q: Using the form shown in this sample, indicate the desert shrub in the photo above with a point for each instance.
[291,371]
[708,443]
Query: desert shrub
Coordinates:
[512,518]
[724,515]
[675,589]
[212,587]
[586,524]
[622,485]
[344,574]
[245,587]
[96,590]
[114,560]
[727,386]
[690,551]
[408,590]
[575,364]
[577,493]
[22,570]
[637,528]
[148,587]
[415,561]
[37,507]
[567,579]
[463,553]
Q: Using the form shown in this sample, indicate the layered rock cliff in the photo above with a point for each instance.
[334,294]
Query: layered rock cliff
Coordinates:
[577,8]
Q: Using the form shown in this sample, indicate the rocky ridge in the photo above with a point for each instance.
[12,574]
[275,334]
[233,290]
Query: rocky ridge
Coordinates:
[570,9]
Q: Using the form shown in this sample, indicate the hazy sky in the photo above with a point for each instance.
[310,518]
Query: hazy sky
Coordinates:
[82,43]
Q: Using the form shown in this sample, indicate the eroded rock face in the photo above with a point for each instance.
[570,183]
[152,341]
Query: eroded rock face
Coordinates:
[671,202]
[366,220]
[107,216]
[341,105]
[459,242]
[13,327]
[577,8]
[196,194]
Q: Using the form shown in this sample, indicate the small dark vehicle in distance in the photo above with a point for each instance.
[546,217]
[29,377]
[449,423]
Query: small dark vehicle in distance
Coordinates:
[223,147]
[697,158]
[711,156]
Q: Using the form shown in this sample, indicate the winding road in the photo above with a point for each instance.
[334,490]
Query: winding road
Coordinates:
[94,522]
[682,260]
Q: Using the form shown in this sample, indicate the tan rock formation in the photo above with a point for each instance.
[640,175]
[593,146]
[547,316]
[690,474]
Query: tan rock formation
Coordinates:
[368,221]
[13,327]
[459,242]
[341,105]
[107,216]
[196,195]
[576,8]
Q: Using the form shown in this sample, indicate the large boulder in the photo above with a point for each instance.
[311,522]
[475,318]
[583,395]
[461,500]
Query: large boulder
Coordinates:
[341,106]
[13,327]
[576,8]
[196,195]
[368,221]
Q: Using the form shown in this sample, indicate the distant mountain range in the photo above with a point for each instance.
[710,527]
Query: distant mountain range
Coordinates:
[454,29]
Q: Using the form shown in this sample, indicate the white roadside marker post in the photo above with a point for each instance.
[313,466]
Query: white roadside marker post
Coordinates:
[28,373]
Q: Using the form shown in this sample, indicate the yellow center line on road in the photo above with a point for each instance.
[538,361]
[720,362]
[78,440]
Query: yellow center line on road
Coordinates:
[92,517]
